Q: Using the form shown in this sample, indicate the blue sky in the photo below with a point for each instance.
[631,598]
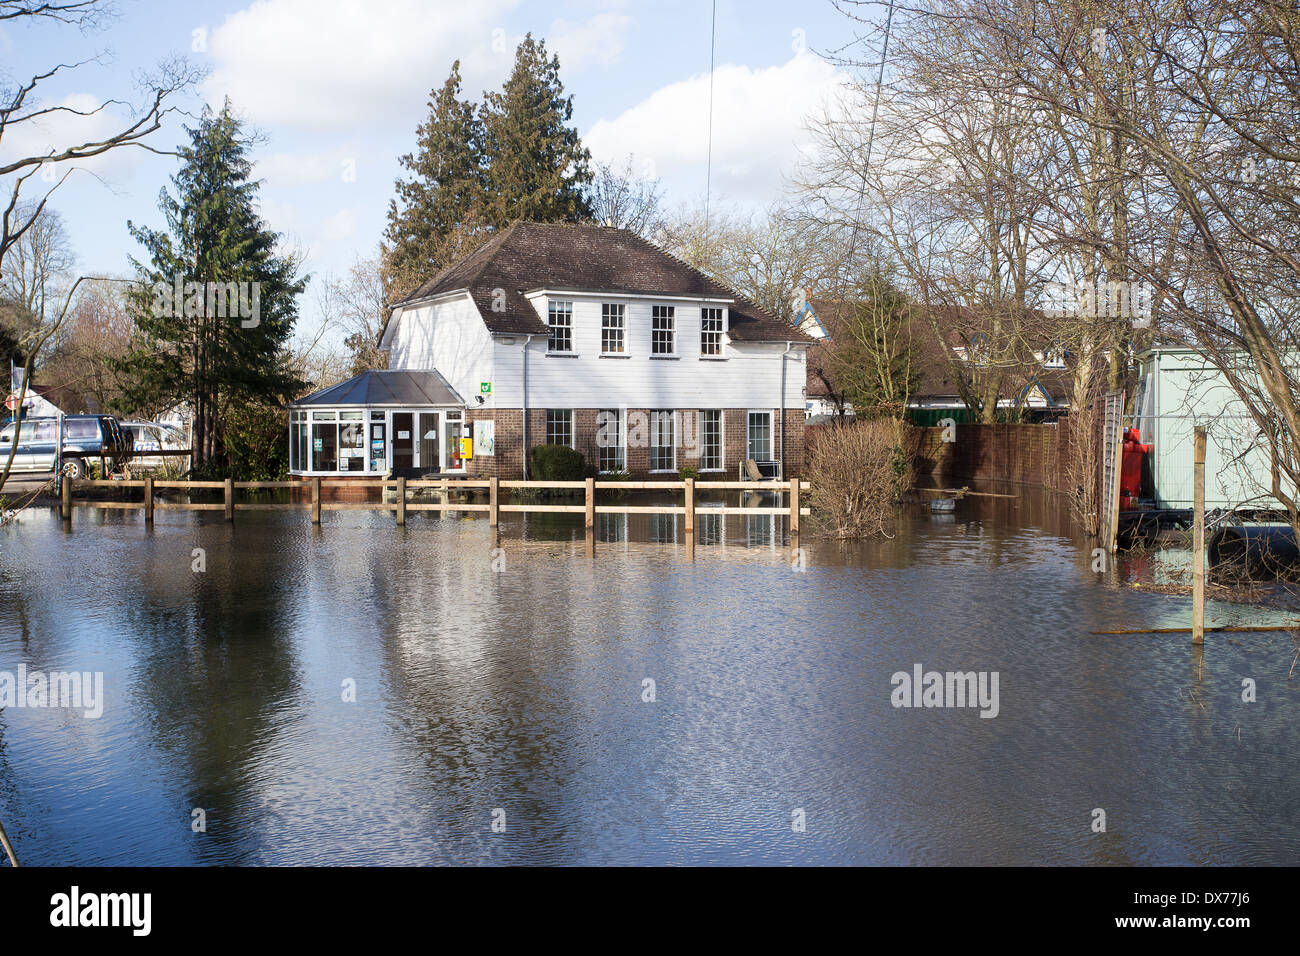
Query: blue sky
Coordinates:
[337,87]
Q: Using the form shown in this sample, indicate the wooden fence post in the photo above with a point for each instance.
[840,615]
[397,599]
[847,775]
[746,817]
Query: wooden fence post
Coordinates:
[690,506]
[1198,538]
[67,497]
[590,516]
[230,499]
[148,499]
[315,500]
[401,501]
[493,514]
[794,506]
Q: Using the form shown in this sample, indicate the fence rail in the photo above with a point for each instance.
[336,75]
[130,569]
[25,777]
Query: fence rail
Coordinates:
[401,503]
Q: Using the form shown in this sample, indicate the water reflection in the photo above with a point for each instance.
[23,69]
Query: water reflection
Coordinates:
[362,693]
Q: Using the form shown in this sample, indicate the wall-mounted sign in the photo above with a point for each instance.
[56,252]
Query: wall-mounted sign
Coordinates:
[402,436]
[485,388]
[485,438]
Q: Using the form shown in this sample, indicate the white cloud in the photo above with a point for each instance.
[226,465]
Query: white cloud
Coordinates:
[596,41]
[759,118]
[293,169]
[339,226]
[344,63]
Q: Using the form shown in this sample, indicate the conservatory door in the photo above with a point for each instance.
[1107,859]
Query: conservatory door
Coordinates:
[430,444]
[403,442]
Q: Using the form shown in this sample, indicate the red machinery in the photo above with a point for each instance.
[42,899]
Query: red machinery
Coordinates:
[1130,473]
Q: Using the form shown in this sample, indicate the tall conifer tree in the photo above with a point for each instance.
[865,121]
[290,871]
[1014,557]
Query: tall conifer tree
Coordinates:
[537,165]
[438,208]
[221,350]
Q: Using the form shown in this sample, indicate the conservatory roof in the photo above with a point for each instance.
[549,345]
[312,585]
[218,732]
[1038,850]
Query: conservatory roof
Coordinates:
[414,387]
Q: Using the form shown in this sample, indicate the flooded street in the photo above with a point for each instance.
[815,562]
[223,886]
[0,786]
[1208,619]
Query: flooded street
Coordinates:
[507,682]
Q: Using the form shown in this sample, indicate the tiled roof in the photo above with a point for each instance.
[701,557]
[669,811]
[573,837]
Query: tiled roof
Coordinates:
[934,362]
[387,387]
[527,256]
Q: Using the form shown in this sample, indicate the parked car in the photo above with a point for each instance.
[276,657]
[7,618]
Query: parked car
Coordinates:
[85,439]
[148,438]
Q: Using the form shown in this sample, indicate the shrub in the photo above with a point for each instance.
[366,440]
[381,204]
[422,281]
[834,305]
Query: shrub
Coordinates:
[620,475]
[858,472]
[688,471]
[556,463]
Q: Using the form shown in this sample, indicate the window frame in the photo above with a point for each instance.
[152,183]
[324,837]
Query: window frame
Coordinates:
[611,312]
[655,419]
[559,309]
[707,333]
[749,433]
[553,419]
[721,441]
[620,417]
[668,334]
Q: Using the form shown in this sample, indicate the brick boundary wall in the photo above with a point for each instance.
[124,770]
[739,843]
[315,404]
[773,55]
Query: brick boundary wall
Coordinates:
[1033,455]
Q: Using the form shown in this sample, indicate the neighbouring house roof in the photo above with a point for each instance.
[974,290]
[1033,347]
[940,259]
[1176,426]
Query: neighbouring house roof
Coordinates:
[527,256]
[935,361]
[387,387]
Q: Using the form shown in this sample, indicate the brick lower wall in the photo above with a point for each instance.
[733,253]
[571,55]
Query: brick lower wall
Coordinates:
[508,461]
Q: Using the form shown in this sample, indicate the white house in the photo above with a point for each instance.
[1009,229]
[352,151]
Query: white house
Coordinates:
[577,335]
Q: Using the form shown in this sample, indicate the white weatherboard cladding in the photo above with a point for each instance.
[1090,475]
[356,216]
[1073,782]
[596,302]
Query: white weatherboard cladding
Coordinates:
[448,336]
[749,376]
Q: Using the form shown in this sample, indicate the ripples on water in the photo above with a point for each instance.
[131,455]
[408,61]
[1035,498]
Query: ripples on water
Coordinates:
[522,690]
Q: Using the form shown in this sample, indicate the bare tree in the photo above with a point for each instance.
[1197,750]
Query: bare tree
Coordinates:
[356,304]
[771,258]
[625,200]
[28,182]
[38,265]
[77,365]
[938,167]
[1205,94]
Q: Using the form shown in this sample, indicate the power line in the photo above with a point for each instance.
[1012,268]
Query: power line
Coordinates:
[708,165]
[871,132]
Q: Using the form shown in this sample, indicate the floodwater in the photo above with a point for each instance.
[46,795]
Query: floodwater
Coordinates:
[365,694]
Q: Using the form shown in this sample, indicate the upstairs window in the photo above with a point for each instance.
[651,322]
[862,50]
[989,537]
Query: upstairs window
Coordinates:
[559,317]
[613,328]
[710,331]
[663,322]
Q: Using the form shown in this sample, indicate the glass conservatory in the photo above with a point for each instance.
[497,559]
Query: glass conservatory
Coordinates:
[394,421]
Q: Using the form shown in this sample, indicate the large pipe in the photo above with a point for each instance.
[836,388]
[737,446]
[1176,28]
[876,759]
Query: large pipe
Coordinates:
[1254,550]
[524,403]
[781,434]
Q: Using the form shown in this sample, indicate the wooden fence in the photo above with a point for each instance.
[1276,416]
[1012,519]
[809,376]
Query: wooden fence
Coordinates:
[401,505]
